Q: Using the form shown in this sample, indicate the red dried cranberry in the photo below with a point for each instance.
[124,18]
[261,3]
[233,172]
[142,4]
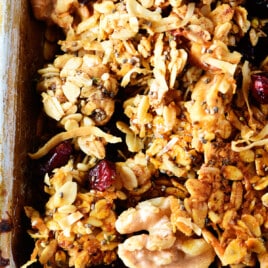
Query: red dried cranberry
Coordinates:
[57,157]
[259,87]
[102,175]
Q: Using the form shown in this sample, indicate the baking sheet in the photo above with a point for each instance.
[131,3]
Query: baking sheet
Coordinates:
[7,122]
[20,48]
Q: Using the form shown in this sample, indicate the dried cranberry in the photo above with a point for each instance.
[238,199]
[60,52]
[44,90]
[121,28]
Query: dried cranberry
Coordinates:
[57,157]
[102,175]
[259,87]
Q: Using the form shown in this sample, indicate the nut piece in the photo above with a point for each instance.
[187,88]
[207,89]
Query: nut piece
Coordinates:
[163,246]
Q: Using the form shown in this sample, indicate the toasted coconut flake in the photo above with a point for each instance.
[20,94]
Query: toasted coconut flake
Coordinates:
[137,10]
[73,133]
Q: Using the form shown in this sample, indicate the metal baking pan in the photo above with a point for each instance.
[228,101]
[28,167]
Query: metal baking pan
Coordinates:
[20,54]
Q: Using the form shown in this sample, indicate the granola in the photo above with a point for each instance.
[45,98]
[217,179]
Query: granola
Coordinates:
[165,84]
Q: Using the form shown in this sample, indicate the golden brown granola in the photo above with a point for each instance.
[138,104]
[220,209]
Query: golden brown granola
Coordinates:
[195,174]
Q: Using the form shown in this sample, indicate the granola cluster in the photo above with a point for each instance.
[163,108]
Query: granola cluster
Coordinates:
[163,82]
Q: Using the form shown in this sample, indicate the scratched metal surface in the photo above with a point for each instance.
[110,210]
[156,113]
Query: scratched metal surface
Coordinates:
[20,48]
[7,123]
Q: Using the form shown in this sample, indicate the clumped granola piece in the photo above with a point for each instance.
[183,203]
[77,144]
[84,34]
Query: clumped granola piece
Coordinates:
[83,223]
[78,85]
